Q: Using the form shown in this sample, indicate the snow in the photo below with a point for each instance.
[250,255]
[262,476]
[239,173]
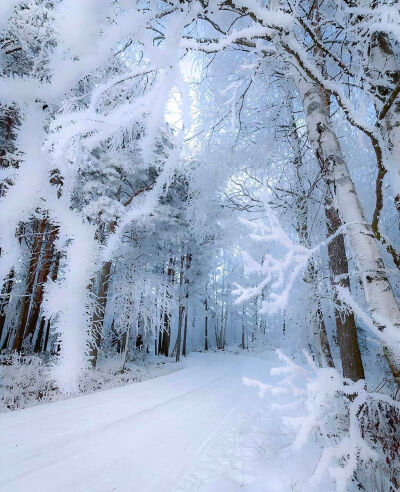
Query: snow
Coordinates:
[119,198]
[200,428]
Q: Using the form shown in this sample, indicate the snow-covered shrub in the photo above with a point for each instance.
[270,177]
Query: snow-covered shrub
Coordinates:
[24,380]
[358,430]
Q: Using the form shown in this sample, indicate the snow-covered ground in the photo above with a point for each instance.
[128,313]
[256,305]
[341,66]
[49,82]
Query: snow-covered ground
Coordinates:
[26,381]
[199,428]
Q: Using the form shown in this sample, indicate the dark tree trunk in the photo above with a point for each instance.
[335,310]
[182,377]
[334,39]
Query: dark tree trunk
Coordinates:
[243,344]
[179,335]
[155,340]
[99,312]
[159,351]
[206,325]
[181,312]
[166,335]
[184,349]
[345,324]
[45,323]
[5,297]
[38,343]
[166,332]
[184,346]
[40,283]
[46,338]
[36,248]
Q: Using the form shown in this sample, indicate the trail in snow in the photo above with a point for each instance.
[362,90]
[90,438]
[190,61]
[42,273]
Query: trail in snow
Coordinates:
[196,429]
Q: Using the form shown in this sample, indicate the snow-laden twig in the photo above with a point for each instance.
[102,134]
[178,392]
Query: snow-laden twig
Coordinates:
[390,336]
[278,273]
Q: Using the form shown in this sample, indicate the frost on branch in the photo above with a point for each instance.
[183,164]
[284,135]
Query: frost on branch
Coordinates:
[279,271]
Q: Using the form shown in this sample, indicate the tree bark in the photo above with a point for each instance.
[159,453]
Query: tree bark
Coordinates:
[5,298]
[184,347]
[45,323]
[166,332]
[206,325]
[37,299]
[30,281]
[377,289]
[179,335]
[99,312]
[181,312]
[243,331]
[186,282]
[346,328]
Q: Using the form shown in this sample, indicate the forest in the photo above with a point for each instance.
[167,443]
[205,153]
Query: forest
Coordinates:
[200,245]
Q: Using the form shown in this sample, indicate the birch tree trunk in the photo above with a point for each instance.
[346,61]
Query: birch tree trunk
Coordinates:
[378,292]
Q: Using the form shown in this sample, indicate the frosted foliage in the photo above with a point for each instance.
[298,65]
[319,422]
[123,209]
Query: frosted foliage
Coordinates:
[332,407]
[102,111]
[213,176]
[279,273]
[6,9]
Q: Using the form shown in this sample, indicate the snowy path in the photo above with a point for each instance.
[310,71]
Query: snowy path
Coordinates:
[182,431]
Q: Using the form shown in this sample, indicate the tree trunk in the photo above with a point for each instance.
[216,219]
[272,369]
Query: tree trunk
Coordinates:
[166,335]
[156,340]
[30,281]
[45,323]
[38,342]
[166,332]
[224,329]
[377,289]
[184,350]
[45,265]
[206,325]
[243,331]
[186,282]
[126,346]
[99,312]
[46,338]
[181,312]
[178,339]
[320,336]
[5,298]
[160,331]
[346,328]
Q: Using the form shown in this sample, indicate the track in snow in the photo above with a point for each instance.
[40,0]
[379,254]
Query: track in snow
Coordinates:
[149,436]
